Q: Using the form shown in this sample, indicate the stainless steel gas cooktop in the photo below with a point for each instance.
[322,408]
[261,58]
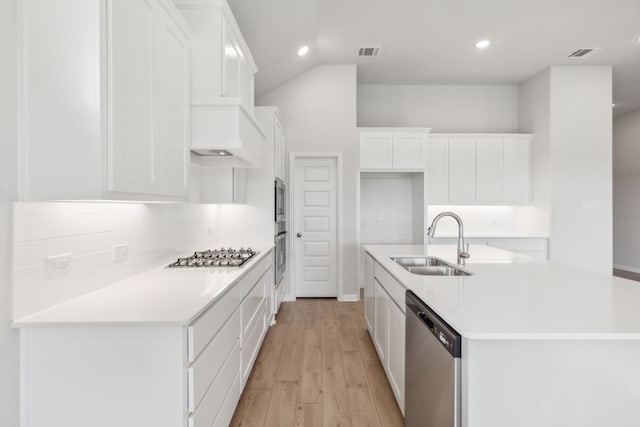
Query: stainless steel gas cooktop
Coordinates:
[223,257]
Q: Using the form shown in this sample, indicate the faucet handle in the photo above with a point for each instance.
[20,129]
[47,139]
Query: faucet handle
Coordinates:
[466,253]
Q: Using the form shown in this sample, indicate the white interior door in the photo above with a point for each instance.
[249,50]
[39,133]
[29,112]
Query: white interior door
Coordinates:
[315,240]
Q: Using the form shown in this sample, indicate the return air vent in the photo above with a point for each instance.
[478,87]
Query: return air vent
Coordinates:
[581,53]
[369,52]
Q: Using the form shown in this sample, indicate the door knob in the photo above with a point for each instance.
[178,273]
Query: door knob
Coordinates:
[299,235]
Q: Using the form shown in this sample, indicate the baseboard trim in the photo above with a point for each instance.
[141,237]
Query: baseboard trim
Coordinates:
[350,298]
[625,268]
[289,298]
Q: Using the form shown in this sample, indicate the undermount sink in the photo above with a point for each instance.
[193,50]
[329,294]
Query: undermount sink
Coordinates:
[429,266]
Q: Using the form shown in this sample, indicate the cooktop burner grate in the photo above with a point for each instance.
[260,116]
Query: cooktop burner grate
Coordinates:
[223,257]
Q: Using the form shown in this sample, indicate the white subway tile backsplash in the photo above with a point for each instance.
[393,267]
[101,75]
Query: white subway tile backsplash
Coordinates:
[88,231]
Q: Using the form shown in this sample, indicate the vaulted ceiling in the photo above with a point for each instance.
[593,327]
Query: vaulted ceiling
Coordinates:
[433,41]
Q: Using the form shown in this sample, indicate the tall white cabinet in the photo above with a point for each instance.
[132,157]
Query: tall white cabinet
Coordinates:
[104,100]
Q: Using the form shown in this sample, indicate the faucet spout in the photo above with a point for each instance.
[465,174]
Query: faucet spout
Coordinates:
[462,254]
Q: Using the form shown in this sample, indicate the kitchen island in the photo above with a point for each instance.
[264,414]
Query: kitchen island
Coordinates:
[543,344]
[165,348]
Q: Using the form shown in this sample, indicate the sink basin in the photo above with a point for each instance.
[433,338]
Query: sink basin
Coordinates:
[429,266]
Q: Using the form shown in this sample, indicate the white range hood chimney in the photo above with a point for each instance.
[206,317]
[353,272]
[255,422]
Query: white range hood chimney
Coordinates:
[222,89]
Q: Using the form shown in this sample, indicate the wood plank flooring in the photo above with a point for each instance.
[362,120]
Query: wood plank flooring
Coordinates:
[318,367]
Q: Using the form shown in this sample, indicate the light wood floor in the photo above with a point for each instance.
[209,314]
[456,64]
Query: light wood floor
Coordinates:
[626,274]
[318,367]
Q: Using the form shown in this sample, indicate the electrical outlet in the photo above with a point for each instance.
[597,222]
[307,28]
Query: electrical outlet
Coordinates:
[120,253]
[58,265]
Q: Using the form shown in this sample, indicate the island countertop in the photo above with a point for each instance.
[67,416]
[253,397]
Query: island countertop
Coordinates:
[158,296]
[513,296]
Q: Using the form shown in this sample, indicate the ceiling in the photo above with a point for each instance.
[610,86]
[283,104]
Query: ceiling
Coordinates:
[433,41]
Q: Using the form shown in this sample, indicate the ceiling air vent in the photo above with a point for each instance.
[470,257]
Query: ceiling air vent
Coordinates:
[581,53]
[369,51]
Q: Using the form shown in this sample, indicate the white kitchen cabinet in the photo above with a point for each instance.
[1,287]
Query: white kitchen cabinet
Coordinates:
[222,87]
[438,171]
[516,172]
[462,171]
[392,148]
[408,150]
[139,374]
[388,326]
[369,308]
[105,93]
[479,169]
[395,358]
[279,150]
[380,329]
[488,171]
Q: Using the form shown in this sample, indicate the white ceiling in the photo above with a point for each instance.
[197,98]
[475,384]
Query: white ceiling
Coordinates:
[432,41]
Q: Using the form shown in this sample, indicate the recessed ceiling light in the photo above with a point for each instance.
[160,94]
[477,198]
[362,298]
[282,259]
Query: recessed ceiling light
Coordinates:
[483,43]
[613,105]
[303,50]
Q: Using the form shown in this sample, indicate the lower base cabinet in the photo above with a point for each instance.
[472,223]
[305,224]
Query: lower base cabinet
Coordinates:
[387,328]
[148,375]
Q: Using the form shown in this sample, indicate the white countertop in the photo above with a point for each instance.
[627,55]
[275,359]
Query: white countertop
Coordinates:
[512,296]
[158,296]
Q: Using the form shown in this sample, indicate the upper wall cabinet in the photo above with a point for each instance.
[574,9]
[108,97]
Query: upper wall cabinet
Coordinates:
[392,148]
[479,169]
[272,124]
[104,94]
[222,86]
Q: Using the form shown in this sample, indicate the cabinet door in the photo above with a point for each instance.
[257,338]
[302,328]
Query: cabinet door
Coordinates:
[395,362]
[130,32]
[279,156]
[171,150]
[408,151]
[376,150]
[462,171]
[239,185]
[380,321]
[438,171]
[516,173]
[369,309]
[488,171]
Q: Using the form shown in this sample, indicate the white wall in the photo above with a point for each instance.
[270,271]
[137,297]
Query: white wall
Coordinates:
[568,109]
[319,108]
[9,347]
[534,115]
[445,108]
[626,191]
[581,165]
[391,208]
[155,233]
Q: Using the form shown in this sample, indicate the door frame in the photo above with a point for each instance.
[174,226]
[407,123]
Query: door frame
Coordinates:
[293,157]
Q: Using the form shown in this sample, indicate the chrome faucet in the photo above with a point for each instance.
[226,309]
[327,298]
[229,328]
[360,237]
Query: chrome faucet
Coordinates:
[462,253]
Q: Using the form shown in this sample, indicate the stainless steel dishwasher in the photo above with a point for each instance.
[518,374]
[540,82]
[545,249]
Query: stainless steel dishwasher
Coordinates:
[432,370]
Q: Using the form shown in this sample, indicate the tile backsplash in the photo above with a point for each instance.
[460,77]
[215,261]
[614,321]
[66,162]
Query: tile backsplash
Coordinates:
[64,250]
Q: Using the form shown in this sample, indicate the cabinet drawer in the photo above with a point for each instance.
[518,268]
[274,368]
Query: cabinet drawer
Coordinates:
[208,324]
[224,384]
[395,290]
[208,365]
[247,282]
[229,406]
[252,303]
[251,345]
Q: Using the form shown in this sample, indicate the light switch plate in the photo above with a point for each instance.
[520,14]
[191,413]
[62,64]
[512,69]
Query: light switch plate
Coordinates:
[58,265]
[120,252]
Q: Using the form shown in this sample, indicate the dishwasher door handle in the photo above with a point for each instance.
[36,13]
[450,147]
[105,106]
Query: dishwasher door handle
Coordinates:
[425,319]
